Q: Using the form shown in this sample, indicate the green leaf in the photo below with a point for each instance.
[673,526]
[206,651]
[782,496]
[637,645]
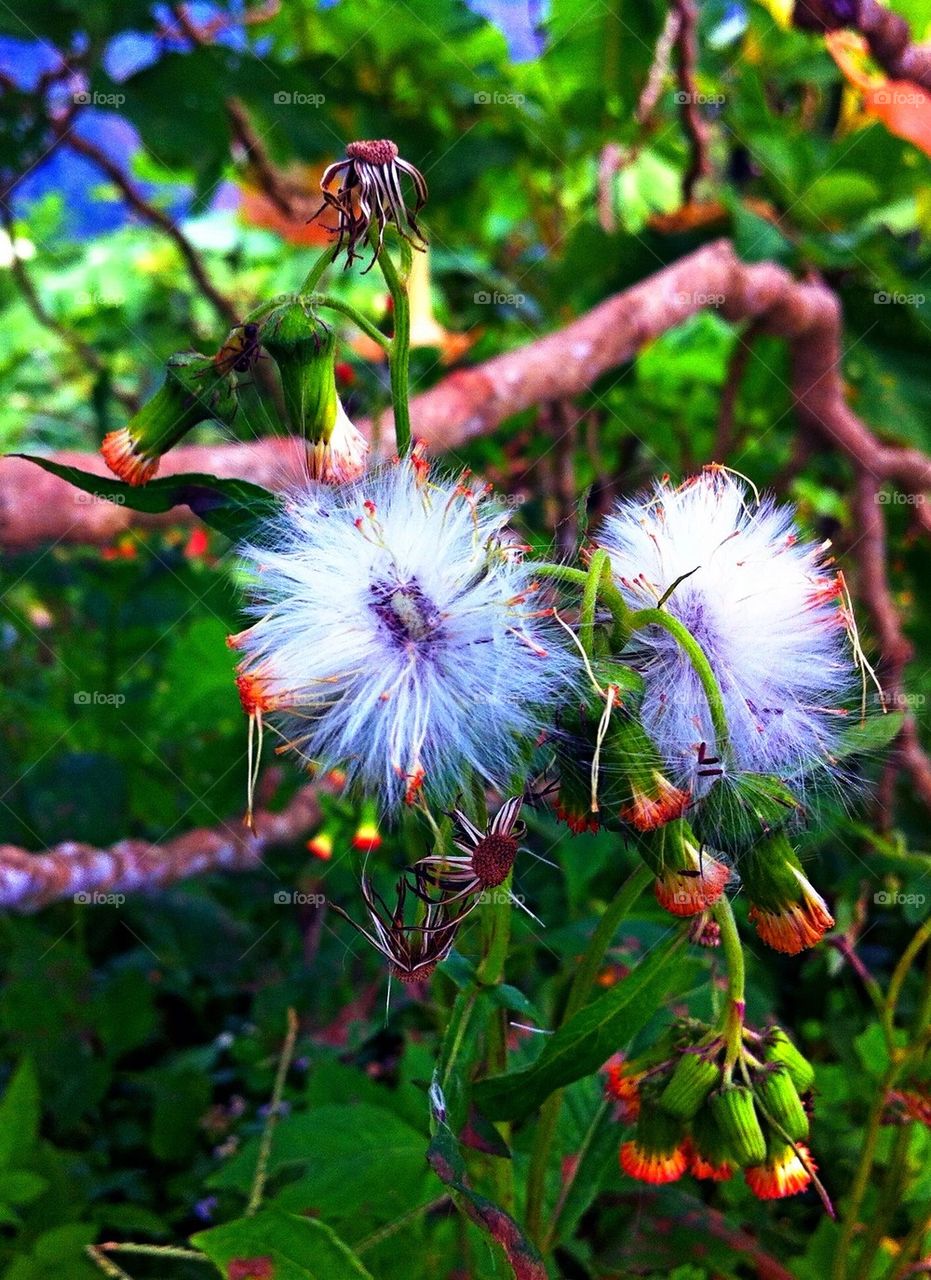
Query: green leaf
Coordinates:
[19,1116]
[339,1154]
[873,734]
[587,1040]
[447,1163]
[20,1186]
[232,507]
[299,1248]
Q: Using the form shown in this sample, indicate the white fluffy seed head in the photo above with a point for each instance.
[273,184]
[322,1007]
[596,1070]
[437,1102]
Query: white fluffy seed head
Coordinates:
[765,608]
[396,635]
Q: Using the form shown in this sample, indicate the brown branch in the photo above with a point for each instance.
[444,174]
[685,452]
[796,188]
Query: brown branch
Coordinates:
[688,97]
[156,217]
[289,197]
[887,34]
[29,881]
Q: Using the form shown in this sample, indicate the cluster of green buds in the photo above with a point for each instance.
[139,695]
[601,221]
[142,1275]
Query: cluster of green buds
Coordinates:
[196,389]
[690,1115]
[201,388]
[611,775]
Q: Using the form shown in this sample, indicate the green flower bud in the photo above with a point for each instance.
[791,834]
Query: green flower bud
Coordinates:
[735,1115]
[193,391]
[739,811]
[789,914]
[304,349]
[689,1085]
[779,1098]
[779,1048]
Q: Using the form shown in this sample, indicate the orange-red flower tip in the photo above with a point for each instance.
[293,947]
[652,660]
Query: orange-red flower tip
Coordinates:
[253,693]
[700,1166]
[656,1167]
[654,808]
[688,893]
[783,1174]
[577,821]
[621,1086]
[367,838]
[124,459]
[321,845]
[797,926]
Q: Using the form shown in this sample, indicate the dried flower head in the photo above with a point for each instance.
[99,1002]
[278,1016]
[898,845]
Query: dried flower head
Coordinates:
[397,638]
[487,855]
[369,196]
[413,950]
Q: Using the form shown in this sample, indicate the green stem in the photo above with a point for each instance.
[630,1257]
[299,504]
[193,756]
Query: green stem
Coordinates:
[585,975]
[600,564]
[736,982]
[607,592]
[316,271]
[400,353]
[357,318]
[265,1148]
[496,934]
[682,635]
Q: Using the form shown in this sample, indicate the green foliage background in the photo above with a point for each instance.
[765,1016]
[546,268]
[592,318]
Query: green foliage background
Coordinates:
[139,1042]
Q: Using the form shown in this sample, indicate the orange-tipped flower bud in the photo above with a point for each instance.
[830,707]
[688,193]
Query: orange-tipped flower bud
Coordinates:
[736,1118]
[689,1085]
[192,392]
[779,1099]
[688,879]
[788,912]
[321,845]
[779,1048]
[785,1172]
[658,1152]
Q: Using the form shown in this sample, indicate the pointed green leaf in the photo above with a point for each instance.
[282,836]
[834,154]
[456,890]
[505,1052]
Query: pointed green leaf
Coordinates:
[588,1039]
[232,507]
[297,1248]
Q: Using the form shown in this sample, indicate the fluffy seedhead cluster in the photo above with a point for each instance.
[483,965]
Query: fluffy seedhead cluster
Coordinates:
[399,636]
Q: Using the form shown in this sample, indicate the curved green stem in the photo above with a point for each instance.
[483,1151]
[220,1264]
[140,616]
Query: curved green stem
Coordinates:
[400,352]
[593,581]
[607,592]
[357,318]
[682,635]
[736,985]
[585,975]
[317,270]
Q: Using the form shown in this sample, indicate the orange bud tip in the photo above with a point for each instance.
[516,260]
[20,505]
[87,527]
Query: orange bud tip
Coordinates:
[577,822]
[687,895]
[122,456]
[621,1086]
[707,1170]
[651,809]
[253,693]
[367,838]
[656,1167]
[796,927]
[321,846]
[783,1174]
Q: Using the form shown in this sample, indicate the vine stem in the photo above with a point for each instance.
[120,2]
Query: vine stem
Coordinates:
[736,985]
[607,592]
[585,975]
[316,272]
[358,319]
[265,1149]
[399,355]
[701,665]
